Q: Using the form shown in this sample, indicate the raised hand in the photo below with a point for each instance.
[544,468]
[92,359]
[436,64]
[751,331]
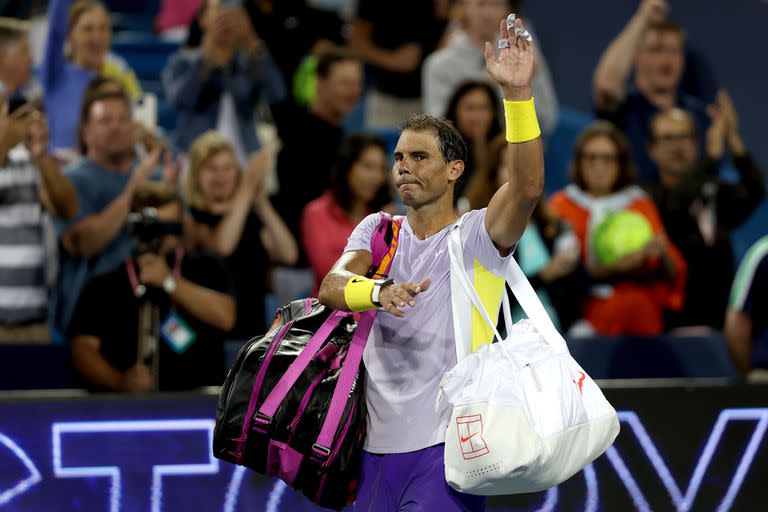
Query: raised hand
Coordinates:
[715,136]
[653,11]
[406,58]
[728,111]
[171,168]
[146,137]
[146,168]
[513,67]
[248,39]
[15,126]
[37,137]
[255,175]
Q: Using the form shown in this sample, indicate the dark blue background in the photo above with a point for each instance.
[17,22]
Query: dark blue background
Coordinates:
[678,421]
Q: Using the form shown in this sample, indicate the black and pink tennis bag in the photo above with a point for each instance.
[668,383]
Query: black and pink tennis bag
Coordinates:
[293,404]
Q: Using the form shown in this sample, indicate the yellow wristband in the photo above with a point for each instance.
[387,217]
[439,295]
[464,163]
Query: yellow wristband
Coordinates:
[357,293]
[522,124]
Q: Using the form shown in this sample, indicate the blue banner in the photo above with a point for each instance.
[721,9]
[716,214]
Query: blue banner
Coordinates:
[680,449]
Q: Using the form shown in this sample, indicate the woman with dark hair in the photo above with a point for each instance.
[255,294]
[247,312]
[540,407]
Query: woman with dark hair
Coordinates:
[358,188]
[631,288]
[76,51]
[474,111]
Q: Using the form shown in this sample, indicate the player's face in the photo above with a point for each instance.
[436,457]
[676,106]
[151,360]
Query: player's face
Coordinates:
[419,171]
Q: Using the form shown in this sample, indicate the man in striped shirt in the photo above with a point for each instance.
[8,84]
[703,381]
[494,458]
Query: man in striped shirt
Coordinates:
[29,182]
[746,324]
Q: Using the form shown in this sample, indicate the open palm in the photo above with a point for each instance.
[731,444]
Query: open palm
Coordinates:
[514,65]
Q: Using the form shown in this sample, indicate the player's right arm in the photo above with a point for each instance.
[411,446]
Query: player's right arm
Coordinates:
[355,265]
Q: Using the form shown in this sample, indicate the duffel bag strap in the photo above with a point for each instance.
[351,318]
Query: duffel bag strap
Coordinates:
[518,283]
[277,395]
[384,241]
[456,256]
[383,246]
[322,448]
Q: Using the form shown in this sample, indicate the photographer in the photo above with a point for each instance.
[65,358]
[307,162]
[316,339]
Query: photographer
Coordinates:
[158,320]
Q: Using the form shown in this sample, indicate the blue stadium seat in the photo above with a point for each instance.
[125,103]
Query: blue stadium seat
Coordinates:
[148,55]
[646,358]
[145,53]
[133,15]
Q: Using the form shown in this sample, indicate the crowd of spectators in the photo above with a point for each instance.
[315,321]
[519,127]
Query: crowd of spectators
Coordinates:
[146,251]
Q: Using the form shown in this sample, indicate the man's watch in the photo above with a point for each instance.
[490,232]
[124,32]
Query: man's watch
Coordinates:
[378,287]
[169,284]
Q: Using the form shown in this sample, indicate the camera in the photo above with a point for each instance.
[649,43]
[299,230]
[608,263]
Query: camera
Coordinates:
[148,231]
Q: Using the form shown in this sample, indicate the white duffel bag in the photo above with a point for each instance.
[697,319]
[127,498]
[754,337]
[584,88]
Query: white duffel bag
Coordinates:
[526,416]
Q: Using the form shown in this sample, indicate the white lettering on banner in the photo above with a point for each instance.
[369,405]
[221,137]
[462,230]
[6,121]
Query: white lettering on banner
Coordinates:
[684,502]
[60,430]
[69,463]
[24,484]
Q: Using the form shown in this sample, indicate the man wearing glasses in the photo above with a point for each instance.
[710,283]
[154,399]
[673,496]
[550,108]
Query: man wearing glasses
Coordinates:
[699,210]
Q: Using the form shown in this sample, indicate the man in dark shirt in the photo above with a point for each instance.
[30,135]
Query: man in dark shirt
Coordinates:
[651,48]
[169,306]
[296,28]
[311,136]
[699,211]
[394,38]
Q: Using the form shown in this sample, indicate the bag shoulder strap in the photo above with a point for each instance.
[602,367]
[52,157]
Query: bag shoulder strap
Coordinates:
[519,285]
[384,242]
[349,370]
[387,225]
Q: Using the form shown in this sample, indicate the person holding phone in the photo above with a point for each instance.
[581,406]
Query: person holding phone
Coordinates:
[31,189]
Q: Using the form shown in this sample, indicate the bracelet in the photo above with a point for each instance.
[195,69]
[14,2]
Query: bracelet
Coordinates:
[357,293]
[521,121]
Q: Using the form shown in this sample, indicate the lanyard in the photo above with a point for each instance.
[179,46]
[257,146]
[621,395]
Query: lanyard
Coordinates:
[139,289]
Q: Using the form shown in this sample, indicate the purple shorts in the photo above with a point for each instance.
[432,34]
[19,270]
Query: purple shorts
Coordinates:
[410,482]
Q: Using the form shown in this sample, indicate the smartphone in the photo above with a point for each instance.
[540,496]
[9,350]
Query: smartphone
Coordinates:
[145,112]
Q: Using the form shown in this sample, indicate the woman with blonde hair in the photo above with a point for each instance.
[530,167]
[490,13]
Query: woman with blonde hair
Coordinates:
[76,51]
[231,215]
[631,291]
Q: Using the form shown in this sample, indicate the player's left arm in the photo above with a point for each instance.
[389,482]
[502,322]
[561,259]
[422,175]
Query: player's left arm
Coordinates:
[511,206]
